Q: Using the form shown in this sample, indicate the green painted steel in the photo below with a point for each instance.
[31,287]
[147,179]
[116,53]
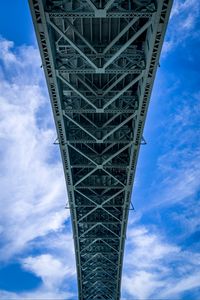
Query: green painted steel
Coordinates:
[100,59]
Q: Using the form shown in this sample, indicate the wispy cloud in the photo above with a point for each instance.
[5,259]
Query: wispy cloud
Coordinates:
[184,17]
[32,185]
[144,267]
[178,166]
[186,284]
[50,269]
[55,268]
[154,268]
[162,246]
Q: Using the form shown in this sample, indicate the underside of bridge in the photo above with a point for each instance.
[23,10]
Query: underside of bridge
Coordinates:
[100,59]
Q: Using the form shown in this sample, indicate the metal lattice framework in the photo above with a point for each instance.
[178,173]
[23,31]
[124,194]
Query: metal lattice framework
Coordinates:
[100,59]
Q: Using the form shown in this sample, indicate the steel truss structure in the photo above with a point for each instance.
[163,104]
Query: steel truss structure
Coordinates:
[100,59]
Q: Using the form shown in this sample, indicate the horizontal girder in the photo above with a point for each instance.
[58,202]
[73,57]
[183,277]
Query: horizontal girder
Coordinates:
[100,59]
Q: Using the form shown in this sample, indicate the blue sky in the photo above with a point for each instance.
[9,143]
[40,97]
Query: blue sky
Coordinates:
[162,254]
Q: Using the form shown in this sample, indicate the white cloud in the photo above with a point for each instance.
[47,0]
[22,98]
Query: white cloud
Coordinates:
[148,260]
[50,269]
[183,19]
[181,6]
[141,241]
[140,285]
[158,266]
[30,186]
[178,166]
[33,191]
[40,294]
[55,268]
[6,55]
[177,170]
[186,284]
[145,264]
[154,268]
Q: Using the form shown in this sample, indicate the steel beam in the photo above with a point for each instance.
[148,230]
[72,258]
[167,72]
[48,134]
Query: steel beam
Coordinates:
[127,87]
[125,29]
[99,117]
[63,35]
[75,90]
[128,43]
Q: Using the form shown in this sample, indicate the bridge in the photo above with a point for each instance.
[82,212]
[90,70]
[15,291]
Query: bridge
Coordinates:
[100,58]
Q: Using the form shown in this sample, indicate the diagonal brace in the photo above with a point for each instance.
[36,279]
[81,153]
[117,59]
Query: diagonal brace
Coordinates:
[79,125]
[126,28]
[128,43]
[70,42]
[134,81]
[74,89]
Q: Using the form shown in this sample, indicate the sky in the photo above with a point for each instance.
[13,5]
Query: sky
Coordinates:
[162,254]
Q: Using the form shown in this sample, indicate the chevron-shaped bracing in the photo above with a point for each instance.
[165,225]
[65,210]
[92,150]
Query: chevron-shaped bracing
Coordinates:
[100,58]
